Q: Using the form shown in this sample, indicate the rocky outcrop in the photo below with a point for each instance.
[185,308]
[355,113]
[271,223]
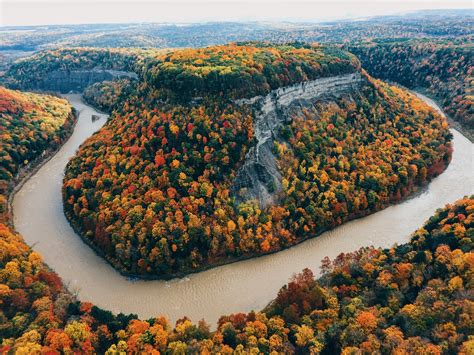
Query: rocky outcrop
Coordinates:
[259,178]
[77,80]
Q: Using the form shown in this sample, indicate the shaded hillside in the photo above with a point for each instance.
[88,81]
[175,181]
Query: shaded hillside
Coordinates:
[160,190]
[443,68]
[106,95]
[74,69]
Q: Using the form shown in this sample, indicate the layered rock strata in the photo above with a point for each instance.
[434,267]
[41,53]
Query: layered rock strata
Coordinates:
[259,177]
[77,80]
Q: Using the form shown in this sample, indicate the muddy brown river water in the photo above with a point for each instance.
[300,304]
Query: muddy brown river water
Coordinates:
[238,287]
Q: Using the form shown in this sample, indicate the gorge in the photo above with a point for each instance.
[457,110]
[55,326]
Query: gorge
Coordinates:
[211,293]
[259,178]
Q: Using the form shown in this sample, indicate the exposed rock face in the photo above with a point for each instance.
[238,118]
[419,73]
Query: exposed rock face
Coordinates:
[76,81]
[259,178]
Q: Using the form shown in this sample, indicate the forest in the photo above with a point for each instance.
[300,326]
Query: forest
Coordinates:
[30,126]
[245,69]
[152,190]
[411,298]
[444,68]
[25,73]
[107,94]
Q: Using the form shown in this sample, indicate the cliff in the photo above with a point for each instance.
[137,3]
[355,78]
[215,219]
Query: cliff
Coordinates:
[64,81]
[259,177]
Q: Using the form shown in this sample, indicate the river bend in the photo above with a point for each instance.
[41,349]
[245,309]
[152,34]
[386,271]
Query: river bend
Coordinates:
[238,287]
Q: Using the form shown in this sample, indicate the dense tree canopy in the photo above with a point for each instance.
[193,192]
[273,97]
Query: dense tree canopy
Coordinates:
[245,69]
[106,95]
[415,297]
[444,68]
[152,189]
[30,125]
[27,72]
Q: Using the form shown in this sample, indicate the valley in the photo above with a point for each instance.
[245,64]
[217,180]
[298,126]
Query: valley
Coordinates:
[268,186]
[256,280]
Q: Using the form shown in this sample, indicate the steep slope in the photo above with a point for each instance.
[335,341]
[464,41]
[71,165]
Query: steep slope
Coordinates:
[195,171]
[107,94]
[74,69]
[259,177]
[443,68]
[31,125]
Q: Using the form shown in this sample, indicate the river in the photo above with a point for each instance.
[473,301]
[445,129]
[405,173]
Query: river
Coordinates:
[238,287]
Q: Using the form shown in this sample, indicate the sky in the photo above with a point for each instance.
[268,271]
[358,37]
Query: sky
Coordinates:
[48,12]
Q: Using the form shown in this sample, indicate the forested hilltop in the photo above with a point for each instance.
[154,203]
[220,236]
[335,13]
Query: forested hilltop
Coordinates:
[244,70]
[444,68]
[187,175]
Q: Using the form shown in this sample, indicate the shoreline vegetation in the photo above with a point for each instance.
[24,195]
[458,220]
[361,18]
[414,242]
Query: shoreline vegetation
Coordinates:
[299,317]
[452,123]
[442,67]
[59,135]
[28,171]
[417,190]
[168,244]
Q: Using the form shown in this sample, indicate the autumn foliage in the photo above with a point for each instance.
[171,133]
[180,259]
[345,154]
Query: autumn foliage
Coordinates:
[244,69]
[106,95]
[444,68]
[412,298]
[153,189]
[30,126]
[31,295]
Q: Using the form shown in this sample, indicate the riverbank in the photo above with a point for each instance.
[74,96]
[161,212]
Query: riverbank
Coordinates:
[433,102]
[416,190]
[25,172]
[212,293]
[313,89]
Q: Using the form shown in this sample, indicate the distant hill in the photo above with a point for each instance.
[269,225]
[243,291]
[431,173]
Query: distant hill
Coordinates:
[420,24]
[73,69]
[444,68]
